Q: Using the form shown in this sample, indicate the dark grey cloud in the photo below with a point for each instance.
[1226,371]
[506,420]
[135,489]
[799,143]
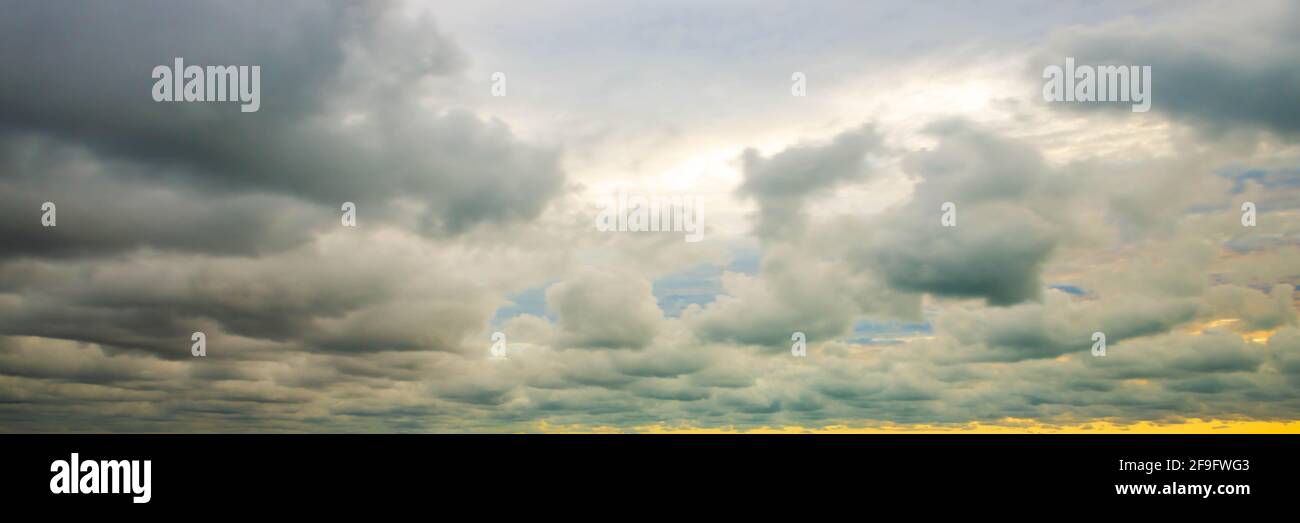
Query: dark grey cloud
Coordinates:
[1005,222]
[341,119]
[1218,67]
[181,217]
[66,361]
[1285,346]
[1000,263]
[1182,357]
[108,304]
[361,297]
[98,212]
[1060,326]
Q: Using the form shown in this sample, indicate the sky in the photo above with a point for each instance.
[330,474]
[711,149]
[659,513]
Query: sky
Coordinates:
[884,181]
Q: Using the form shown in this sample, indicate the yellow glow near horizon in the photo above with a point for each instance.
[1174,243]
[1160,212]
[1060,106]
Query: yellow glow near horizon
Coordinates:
[1006,426]
[1259,336]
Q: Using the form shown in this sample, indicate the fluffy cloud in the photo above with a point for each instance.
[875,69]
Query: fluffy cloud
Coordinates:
[345,119]
[1006,224]
[604,310]
[783,182]
[1237,73]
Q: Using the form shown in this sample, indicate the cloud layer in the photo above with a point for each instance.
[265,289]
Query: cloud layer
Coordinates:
[824,216]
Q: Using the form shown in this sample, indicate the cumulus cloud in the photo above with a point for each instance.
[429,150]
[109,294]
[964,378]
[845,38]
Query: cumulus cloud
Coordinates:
[609,310]
[792,293]
[345,118]
[1005,228]
[783,182]
[1218,68]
